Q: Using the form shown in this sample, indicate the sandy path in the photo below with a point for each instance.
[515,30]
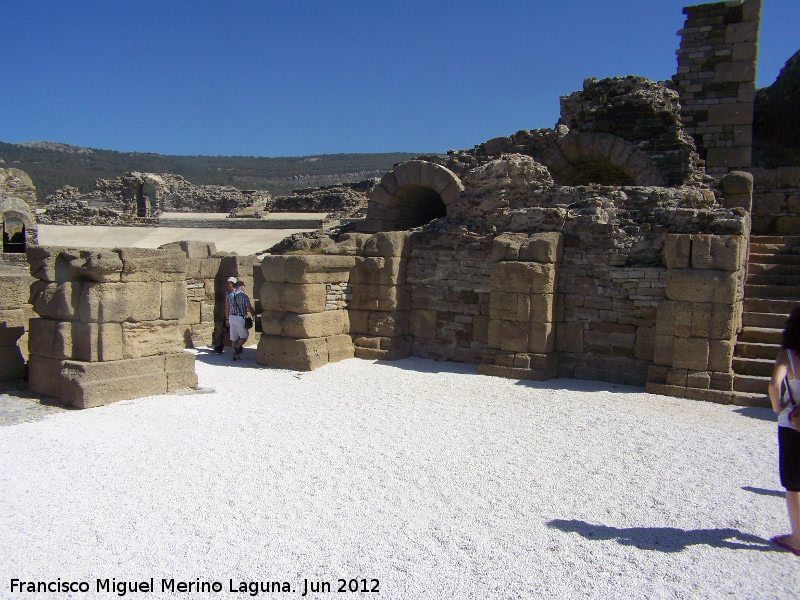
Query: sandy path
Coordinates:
[438,482]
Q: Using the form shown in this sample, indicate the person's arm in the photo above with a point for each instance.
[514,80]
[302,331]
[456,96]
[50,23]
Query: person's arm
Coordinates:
[250,308]
[227,310]
[778,375]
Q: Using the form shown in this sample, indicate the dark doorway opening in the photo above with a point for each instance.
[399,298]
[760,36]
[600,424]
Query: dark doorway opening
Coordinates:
[141,202]
[14,236]
[419,205]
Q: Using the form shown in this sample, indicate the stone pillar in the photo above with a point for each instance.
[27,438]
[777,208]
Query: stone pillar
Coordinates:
[697,325]
[381,304]
[109,326]
[304,322]
[521,336]
[716,81]
[13,296]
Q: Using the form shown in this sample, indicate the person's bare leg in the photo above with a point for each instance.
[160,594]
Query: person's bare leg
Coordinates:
[793,504]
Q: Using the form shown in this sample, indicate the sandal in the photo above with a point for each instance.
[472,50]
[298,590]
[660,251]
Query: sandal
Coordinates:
[778,540]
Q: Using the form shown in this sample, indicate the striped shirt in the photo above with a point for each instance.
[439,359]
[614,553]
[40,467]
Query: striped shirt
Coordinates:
[238,304]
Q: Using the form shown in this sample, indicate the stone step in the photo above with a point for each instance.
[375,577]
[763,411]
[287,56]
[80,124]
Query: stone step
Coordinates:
[762,367]
[761,335]
[779,259]
[783,247]
[764,320]
[751,384]
[774,239]
[772,278]
[751,399]
[754,350]
[769,305]
[772,291]
[762,269]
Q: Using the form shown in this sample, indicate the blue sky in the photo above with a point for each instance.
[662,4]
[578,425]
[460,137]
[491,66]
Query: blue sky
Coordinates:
[295,78]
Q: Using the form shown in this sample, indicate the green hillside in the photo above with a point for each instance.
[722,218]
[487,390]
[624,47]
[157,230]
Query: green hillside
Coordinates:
[52,166]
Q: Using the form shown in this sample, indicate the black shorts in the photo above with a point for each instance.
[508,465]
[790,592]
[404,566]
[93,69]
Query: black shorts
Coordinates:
[789,458]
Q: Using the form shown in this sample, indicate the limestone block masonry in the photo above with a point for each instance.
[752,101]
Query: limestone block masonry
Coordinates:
[13,296]
[109,325]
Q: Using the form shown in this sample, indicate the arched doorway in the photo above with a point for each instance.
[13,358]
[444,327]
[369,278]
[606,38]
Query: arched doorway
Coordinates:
[419,205]
[13,235]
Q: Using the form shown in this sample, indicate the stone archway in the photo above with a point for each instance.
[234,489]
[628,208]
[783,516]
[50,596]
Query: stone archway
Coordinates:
[599,158]
[412,194]
[18,225]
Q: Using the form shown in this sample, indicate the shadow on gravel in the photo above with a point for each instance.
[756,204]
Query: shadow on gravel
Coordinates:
[762,414]
[763,492]
[208,356]
[666,539]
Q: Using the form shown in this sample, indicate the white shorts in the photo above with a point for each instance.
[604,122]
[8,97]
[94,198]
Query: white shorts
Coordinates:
[238,330]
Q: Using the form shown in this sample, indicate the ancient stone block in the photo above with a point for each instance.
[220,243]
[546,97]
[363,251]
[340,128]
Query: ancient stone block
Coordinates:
[644,346]
[677,377]
[85,384]
[692,285]
[340,347]
[179,368]
[389,324]
[118,302]
[663,350]
[728,157]
[422,323]
[379,271]
[509,335]
[173,300]
[677,251]
[720,355]
[506,246]
[510,306]
[143,264]
[91,342]
[569,337]
[542,338]
[788,177]
[726,321]
[358,321]
[691,353]
[381,297]
[546,247]
[12,365]
[715,252]
[480,329]
[318,268]
[698,379]
[701,319]
[151,338]
[289,353]
[56,300]
[100,265]
[523,277]
[42,261]
[192,313]
[737,182]
[388,243]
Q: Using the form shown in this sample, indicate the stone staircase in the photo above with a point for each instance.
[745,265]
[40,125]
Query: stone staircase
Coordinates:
[771,290]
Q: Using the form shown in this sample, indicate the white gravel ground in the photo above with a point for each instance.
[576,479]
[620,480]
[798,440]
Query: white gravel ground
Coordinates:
[431,479]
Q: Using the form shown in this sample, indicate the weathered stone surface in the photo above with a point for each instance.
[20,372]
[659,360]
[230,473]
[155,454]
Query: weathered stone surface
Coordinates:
[118,302]
[151,338]
[381,297]
[173,300]
[716,252]
[142,264]
[100,265]
[389,324]
[422,323]
[543,247]
[523,277]
[569,337]
[692,285]
[691,353]
[58,300]
[507,246]
[179,368]
[293,297]
[287,353]
[677,251]
[12,365]
[340,347]
[388,243]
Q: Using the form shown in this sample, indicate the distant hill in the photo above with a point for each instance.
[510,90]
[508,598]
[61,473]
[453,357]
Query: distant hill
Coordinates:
[53,165]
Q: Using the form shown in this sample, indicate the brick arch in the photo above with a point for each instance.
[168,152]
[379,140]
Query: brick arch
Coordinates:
[14,208]
[413,194]
[604,158]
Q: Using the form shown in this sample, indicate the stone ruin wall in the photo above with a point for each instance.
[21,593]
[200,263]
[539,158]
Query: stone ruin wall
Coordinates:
[108,325]
[635,285]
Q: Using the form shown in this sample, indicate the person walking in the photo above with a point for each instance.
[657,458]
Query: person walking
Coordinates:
[235,313]
[788,436]
[224,332]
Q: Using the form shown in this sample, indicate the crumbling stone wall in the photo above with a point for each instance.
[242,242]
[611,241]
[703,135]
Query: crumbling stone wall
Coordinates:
[109,325]
[13,323]
[129,199]
[534,280]
[777,119]
[716,80]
